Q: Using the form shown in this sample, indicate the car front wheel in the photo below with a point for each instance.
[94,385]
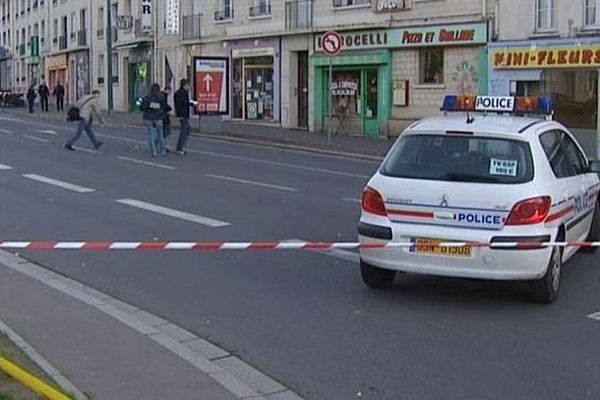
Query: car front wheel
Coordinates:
[545,289]
[376,278]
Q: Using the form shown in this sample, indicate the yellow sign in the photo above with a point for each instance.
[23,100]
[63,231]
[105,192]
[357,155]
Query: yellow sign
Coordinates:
[584,56]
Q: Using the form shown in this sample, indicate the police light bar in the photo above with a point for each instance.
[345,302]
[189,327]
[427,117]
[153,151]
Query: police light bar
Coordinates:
[515,105]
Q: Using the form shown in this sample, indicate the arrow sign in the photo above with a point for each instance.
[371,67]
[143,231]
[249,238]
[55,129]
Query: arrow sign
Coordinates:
[208,79]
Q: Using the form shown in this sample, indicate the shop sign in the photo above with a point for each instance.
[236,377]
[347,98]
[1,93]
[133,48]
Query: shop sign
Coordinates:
[59,61]
[211,77]
[344,88]
[382,6]
[146,15]
[446,35]
[260,52]
[580,56]
[172,17]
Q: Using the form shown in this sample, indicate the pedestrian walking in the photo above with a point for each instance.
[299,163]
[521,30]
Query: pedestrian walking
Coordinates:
[59,95]
[167,121]
[44,93]
[154,106]
[84,113]
[182,110]
[31,95]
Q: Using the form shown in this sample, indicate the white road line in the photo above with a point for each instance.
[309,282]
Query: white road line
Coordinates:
[337,253]
[47,131]
[57,183]
[148,163]
[4,167]
[6,131]
[351,200]
[595,316]
[244,181]
[213,223]
[37,139]
[279,164]
[86,150]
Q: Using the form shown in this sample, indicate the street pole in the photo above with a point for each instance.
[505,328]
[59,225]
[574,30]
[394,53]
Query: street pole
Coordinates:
[330,99]
[109,54]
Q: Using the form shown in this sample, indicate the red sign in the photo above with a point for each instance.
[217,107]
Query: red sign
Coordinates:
[331,43]
[211,75]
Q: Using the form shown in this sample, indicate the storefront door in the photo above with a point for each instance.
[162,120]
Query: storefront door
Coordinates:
[253,89]
[370,117]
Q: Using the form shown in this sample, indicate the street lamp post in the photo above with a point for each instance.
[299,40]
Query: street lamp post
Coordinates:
[109,53]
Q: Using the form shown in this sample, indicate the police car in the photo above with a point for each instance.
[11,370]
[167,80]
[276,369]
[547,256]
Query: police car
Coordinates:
[493,172]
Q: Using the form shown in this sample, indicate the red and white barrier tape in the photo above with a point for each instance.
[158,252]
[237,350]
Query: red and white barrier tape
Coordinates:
[285,245]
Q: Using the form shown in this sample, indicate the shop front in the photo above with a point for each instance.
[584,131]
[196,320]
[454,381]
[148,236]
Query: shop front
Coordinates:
[255,88]
[566,70]
[58,71]
[138,62]
[383,80]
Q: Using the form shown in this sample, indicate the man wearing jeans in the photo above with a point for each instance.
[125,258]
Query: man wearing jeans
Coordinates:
[88,111]
[182,110]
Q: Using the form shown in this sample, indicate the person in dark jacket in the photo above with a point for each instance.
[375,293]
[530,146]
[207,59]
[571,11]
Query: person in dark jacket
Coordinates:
[154,106]
[44,93]
[182,110]
[167,121]
[59,95]
[31,98]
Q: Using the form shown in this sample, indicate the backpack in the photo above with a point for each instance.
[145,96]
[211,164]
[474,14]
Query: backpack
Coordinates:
[74,113]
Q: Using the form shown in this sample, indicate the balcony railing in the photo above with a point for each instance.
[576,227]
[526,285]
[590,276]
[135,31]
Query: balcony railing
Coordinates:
[22,49]
[298,15]
[62,43]
[82,38]
[100,32]
[73,36]
[260,10]
[350,3]
[225,14]
[192,27]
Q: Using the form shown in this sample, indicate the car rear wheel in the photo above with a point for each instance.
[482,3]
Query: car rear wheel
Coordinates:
[376,278]
[594,235]
[545,290]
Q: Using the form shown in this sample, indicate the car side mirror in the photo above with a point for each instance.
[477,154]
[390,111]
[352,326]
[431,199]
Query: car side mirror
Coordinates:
[595,166]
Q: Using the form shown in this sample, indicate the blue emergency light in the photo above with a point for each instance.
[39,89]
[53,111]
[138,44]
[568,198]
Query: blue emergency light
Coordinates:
[541,105]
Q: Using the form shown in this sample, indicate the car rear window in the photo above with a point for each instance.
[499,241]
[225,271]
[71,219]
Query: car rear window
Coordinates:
[460,158]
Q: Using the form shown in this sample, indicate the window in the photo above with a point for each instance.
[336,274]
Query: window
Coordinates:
[345,91]
[100,31]
[115,68]
[73,23]
[577,161]
[555,154]
[55,32]
[260,8]
[545,15]
[460,158]
[225,11]
[100,69]
[591,9]
[350,3]
[431,66]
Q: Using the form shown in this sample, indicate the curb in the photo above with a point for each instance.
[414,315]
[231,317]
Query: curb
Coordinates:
[31,381]
[235,375]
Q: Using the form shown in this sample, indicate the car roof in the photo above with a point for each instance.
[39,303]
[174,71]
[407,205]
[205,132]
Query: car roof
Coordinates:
[482,123]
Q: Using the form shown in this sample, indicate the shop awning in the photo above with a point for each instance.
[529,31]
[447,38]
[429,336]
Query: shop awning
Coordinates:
[133,45]
[372,57]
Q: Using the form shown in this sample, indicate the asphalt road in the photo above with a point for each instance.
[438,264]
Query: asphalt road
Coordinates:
[304,318]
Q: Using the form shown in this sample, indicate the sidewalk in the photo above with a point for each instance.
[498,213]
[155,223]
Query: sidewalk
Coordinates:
[266,134]
[111,350]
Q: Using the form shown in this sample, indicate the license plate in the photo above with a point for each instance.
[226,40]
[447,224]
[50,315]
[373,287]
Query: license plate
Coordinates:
[432,247]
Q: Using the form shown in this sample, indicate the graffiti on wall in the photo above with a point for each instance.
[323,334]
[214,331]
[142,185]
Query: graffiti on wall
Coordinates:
[464,77]
[82,82]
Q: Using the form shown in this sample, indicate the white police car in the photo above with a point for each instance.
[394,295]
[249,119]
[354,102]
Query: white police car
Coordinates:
[478,177]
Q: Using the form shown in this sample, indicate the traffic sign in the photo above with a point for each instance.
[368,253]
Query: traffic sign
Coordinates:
[331,43]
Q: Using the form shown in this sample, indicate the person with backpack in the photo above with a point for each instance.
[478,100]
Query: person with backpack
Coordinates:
[44,93]
[154,106]
[182,110]
[84,113]
[59,94]
[31,95]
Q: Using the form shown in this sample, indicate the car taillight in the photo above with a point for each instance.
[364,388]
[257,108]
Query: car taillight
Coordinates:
[372,202]
[530,211]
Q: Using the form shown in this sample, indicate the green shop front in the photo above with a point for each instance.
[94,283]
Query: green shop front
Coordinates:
[360,91]
[384,79]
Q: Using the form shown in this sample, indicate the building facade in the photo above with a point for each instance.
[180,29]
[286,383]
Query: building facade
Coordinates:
[399,57]
[551,47]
